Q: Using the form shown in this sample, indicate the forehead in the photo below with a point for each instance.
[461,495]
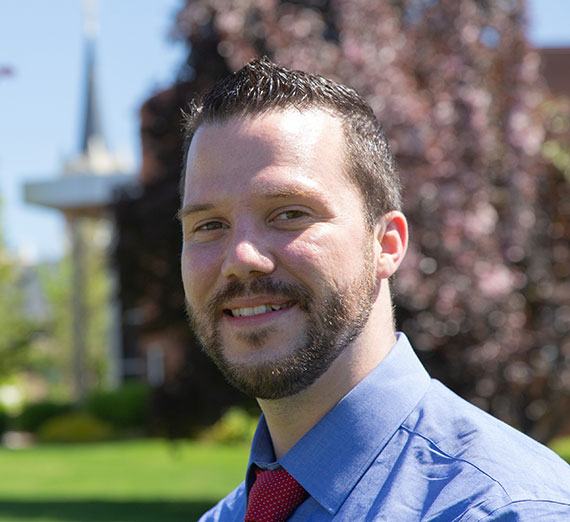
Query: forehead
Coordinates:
[291,128]
[302,141]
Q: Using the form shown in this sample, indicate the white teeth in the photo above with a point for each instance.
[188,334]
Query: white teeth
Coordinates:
[256,310]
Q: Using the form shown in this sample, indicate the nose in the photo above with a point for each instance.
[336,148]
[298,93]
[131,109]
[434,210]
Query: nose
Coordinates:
[245,258]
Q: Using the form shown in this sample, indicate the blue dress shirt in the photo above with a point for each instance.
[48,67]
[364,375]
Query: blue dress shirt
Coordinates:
[402,447]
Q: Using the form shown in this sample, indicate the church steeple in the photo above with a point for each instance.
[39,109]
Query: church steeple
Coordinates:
[92,130]
[93,158]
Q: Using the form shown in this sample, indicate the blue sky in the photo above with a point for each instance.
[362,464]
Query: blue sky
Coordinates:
[41,103]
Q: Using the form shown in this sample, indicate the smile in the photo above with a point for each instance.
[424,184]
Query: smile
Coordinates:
[256,310]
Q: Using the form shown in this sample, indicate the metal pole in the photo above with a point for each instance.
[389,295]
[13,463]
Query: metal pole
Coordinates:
[79,315]
[115,362]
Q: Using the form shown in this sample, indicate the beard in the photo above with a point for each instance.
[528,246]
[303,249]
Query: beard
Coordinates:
[333,321]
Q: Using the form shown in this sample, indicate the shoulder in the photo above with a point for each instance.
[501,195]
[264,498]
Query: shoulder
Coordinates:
[229,509]
[449,460]
[507,464]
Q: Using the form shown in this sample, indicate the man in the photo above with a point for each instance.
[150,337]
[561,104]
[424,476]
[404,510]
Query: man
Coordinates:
[292,228]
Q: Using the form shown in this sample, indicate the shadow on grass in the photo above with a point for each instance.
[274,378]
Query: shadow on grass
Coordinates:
[102,510]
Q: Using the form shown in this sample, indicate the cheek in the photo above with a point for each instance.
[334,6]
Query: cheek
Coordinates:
[321,258]
[198,273]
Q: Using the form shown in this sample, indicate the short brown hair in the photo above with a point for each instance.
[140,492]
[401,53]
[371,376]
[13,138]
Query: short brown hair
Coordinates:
[262,85]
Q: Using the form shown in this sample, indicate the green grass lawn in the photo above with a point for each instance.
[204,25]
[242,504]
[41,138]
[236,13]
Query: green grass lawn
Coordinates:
[140,481]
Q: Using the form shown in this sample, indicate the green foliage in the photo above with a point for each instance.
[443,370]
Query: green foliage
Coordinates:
[34,415]
[4,418]
[123,408]
[235,426]
[555,150]
[16,329]
[55,279]
[562,447]
[75,427]
[126,407]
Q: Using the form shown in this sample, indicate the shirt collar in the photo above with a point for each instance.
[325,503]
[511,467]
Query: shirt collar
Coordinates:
[329,460]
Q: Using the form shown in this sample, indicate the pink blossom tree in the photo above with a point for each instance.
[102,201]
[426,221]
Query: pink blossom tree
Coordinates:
[485,291]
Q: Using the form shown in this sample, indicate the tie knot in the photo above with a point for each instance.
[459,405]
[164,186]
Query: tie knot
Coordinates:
[274,496]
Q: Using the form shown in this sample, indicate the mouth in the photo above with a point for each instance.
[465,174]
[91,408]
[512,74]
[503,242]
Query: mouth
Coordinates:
[256,310]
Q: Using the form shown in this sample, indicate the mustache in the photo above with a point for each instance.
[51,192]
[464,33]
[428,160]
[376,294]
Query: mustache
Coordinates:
[265,285]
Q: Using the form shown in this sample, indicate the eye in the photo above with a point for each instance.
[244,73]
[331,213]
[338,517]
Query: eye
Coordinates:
[204,231]
[291,218]
[289,215]
[209,226]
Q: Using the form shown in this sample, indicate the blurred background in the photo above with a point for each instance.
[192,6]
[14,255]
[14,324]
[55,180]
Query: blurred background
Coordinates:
[474,97]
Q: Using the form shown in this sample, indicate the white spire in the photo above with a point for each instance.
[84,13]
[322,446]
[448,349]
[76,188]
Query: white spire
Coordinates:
[93,158]
[90,20]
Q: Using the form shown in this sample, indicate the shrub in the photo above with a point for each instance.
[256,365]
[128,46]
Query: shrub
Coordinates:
[75,427]
[126,407]
[235,426]
[562,447]
[3,420]
[36,414]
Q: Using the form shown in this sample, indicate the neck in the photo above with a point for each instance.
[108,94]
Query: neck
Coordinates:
[290,418]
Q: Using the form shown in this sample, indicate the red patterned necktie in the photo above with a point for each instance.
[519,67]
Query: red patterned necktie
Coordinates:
[273,497]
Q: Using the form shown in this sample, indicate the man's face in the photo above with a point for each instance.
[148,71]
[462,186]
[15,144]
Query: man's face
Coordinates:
[277,259]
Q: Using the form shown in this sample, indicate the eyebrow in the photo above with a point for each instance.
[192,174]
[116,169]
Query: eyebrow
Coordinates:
[189,209]
[266,194]
[285,192]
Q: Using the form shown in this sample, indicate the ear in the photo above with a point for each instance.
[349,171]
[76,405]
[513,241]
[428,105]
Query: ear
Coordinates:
[391,238]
